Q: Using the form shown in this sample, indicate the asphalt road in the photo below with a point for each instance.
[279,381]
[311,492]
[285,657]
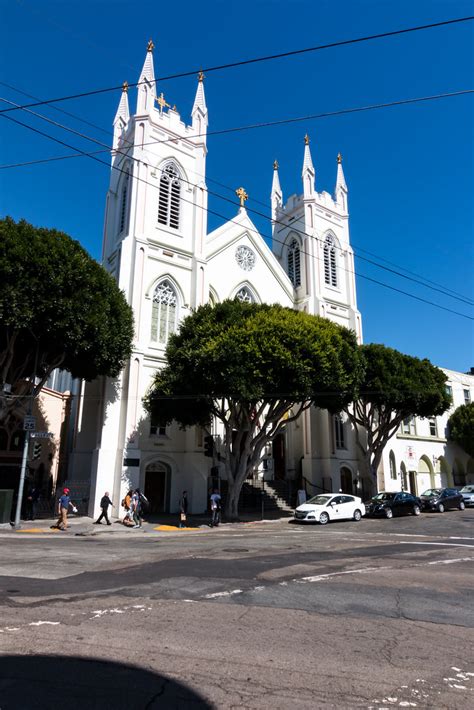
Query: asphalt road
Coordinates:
[274,615]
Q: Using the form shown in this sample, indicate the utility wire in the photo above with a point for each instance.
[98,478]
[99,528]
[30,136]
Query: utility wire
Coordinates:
[255,60]
[120,170]
[441,290]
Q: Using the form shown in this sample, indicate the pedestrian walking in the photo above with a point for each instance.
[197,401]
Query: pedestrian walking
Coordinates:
[64,504]
[32,497]
[136,508]
[104,504]
[183,509]
[127,504]
[215,508]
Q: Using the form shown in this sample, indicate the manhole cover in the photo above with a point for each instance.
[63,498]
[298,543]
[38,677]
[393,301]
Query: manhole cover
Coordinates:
[236,549]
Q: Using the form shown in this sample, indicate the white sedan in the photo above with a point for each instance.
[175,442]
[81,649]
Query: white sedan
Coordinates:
[326,507]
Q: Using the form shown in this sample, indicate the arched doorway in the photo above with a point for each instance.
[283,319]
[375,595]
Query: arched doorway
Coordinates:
[443,474]
[278,450]
[459,476]
[425,475]
[157,486]
[346,480]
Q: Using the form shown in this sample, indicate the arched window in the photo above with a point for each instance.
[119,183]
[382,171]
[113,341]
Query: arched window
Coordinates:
[168,200]
[330,270]
[244,295]
[339,432]
[124,200]
[294,263]
[164,315]
[393,466]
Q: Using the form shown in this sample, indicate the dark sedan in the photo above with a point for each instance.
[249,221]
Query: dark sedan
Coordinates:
[442,499]
[388,504]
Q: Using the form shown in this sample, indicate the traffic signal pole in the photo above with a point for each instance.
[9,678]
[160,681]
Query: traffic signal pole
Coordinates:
[22,479]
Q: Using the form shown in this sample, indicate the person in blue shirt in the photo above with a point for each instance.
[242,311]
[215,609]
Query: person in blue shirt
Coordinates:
[64,504]
[215,508]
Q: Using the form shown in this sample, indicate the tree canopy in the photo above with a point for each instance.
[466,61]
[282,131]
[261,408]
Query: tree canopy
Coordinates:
[58,309]
[461,427]
[395,386]
[253,367]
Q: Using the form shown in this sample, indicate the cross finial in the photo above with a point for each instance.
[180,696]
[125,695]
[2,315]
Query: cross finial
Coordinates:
[306,139]
[339,158]
[162,103]
[275,165]
[125,87]
[150,46]
[242,195]
[201,76]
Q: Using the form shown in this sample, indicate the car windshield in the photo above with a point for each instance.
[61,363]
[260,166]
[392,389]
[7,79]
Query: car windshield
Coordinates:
[432,492]
[384,496]
[467,489]
[319,500]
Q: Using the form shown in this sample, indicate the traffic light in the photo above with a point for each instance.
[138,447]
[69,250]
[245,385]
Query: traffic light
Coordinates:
[208,445]
[36,450]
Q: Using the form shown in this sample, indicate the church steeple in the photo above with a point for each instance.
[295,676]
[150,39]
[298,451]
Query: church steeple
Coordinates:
[341,191]
[277,194]
[122,116]
[308,173]
[199,112]
[146,82]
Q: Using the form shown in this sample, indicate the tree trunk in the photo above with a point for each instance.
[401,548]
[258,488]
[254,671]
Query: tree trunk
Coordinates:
[232,502]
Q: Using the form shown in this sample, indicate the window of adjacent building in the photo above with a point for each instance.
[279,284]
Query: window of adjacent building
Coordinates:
[244,295]
[156,430]
[408,426]
[330,270]
[168,200]
[294,263]
[339,432]
[164,316]
[449,392]
[433,427]
[467,396]
[124,201]
[393,466]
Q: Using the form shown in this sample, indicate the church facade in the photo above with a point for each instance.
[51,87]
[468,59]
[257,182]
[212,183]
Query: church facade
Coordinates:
[157,245]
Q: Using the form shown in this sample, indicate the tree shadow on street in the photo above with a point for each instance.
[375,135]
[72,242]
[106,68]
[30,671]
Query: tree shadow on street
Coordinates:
[45,682]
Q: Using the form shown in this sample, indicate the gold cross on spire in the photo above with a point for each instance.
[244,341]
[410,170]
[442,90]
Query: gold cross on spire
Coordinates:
[242,195]
[125,87]
[306,139]
[275,165]
[339,158]
[162,103]
[150,46]
[201,76]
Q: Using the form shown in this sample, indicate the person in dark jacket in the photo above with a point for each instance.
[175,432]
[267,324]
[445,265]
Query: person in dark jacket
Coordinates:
[104,504]
[183,509]
[32,497]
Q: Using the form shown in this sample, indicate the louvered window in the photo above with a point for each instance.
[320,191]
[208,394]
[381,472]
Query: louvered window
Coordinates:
[164,313]
[244,295]
[168,201]
[124,201]
[330,268]
[294,263]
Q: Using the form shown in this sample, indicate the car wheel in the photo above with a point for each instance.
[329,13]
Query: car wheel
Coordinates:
[357,515]
[416,510]
[461,505]
[389,513]
[440,508]
[324,518]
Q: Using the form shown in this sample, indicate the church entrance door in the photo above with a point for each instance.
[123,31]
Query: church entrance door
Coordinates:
[279,457]
[346,480]
[157,482]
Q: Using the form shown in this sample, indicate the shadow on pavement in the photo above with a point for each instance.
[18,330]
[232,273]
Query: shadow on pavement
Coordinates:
[45,682]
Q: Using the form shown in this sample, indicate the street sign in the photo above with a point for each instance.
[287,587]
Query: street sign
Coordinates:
[41,435]
[29,423]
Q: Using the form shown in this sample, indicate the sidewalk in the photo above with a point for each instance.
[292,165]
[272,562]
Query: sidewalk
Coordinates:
[160,524]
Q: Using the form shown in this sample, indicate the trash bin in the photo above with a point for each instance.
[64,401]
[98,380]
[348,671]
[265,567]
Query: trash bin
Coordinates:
[6,500]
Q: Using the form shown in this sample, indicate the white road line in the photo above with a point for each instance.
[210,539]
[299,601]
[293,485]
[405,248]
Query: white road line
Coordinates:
[443,544]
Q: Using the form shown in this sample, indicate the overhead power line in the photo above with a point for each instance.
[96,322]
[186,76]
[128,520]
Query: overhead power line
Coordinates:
[121,171]
[107,148]
[255,60]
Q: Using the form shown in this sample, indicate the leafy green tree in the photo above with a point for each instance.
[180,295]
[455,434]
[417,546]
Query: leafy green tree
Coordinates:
[395,386]
[461,427]
[58,309]
[249,366]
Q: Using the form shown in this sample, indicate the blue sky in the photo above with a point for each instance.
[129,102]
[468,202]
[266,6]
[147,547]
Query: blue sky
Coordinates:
[410,169]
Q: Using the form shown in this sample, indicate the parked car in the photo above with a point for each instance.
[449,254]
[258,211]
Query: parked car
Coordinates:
[326,507]
[467,493]
[442,499]
[387,504]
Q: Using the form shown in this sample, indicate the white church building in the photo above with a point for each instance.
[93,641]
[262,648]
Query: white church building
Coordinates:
[157,245]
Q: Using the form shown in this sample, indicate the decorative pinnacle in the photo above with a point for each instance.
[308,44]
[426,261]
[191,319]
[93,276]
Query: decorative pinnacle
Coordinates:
[150,46]
[201,76]
[275,165]
[242,195]
[306,139]
[339,158]
[125,87]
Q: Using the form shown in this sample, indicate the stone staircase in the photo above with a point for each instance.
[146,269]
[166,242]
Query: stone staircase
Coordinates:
[279,497]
